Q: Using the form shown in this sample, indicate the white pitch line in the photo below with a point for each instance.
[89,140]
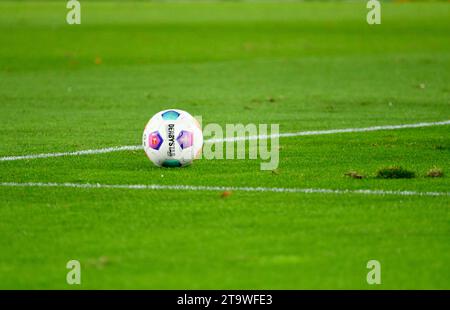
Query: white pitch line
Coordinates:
[331,131]
[226,188]
[261,137]
[75,153]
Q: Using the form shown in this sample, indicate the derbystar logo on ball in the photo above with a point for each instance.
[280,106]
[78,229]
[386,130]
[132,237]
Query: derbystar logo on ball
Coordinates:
[172,138]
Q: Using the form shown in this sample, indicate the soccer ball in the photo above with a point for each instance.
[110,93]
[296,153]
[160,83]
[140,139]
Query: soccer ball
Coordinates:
[172,138]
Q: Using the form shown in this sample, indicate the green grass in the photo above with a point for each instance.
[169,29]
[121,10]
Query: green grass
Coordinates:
[395,172]
[324,67]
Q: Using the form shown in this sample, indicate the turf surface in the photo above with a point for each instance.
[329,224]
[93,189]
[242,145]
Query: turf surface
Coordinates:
[306,66]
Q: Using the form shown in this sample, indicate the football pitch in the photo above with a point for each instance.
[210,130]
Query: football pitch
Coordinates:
[314,222]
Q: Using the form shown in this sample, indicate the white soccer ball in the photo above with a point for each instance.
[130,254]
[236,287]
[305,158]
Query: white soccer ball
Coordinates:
[172,138]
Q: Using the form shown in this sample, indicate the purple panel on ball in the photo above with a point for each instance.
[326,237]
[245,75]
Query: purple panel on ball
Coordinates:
[155,140]
[185,139]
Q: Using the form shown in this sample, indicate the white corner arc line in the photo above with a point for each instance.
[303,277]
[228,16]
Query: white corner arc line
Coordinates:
[225,188]
[261,137]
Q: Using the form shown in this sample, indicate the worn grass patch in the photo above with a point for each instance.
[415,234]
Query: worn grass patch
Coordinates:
[435,173]
[354,175]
